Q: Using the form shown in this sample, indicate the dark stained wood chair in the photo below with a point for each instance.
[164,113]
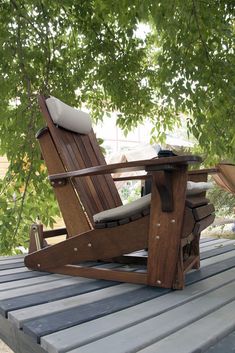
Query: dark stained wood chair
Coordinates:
[170,228]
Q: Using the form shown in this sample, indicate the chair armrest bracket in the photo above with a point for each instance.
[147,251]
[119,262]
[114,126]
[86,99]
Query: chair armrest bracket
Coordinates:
[59,182]
[164,182]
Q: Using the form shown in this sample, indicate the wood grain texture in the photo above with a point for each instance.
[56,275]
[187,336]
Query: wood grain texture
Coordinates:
[77,152]
[203,224]
[80,175]
[203,211]
[129,166]
[196,201]
[165,231]
[96,273]
[93,245]
[73,215]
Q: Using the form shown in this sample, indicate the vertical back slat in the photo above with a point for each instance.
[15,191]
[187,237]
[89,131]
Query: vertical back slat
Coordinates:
[75,219]
[89,162]
[107,194]
[109,180]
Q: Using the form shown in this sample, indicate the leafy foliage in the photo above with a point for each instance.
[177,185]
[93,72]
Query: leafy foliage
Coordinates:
[184,64]
[223,201]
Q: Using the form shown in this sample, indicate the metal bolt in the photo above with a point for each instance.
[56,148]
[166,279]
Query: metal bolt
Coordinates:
[52,183]
[38,265]
[75,249]
[59,182]
[158,224]
[89,245]
[157,237]
[159,282]
[172,220]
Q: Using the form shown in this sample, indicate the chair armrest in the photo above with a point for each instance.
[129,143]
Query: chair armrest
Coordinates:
[148,176]
[166,163]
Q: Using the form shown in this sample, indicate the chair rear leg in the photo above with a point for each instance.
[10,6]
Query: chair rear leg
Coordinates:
[36,240]
[196,251]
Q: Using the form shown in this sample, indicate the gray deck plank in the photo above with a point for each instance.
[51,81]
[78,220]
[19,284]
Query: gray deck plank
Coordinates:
[206,239]
[58,321]
[103,319]
[218,245]
[215,242]
[21,315]
[21,274]
[11,265]
[219,258]
[210,270]
[212,241]
[79,314]
[16,339]
[46,309]
[198,336]
[13,257]
[41,287]
[76,336]
[29,282]
[65,292]
[10,260]
[217,251]
[145,333]
[13,271]
[226,345]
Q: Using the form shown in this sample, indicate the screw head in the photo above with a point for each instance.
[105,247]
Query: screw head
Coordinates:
[38,265]
[157,237]
[158,224]
[172,220]
[75,249]
[89,245]
[159,282]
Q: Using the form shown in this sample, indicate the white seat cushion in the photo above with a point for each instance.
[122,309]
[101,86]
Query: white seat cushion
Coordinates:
[143,203]
[196,188]
[69,118]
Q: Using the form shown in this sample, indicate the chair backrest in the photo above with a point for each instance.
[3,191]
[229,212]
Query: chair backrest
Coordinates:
[77,151]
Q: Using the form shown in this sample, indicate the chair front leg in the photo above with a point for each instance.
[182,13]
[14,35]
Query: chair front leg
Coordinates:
[166,222]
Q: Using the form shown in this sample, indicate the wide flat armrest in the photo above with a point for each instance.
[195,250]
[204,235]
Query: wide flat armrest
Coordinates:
[147,165]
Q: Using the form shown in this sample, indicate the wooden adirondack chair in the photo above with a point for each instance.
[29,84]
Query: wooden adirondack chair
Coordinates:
[170,228]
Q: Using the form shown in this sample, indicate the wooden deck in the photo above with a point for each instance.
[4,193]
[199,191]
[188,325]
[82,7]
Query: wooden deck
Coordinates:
[41,312]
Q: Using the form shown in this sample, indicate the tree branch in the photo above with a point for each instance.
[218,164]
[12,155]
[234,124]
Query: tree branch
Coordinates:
[199,32]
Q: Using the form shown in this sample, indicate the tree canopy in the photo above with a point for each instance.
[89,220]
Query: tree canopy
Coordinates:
[89,51]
